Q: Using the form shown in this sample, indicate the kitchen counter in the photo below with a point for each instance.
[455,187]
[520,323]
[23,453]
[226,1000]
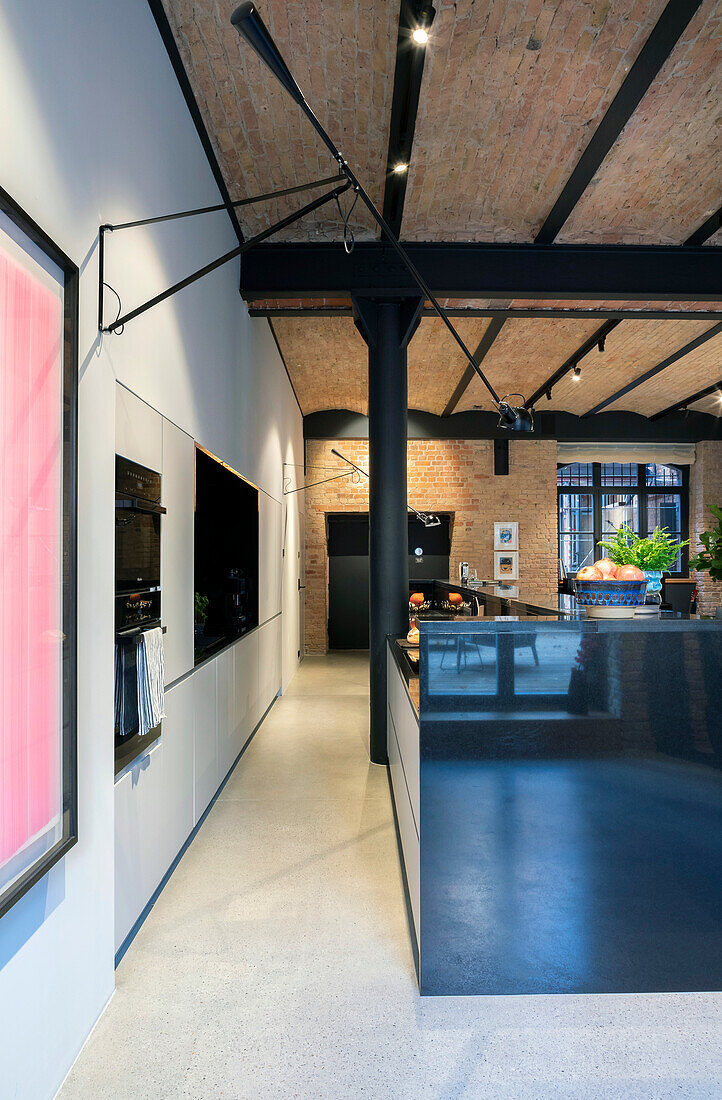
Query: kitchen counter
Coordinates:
[568,814]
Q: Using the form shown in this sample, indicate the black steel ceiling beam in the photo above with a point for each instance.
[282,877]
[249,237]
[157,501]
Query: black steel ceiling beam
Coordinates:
[596,340]
[408,72]
[707,229]
[508,314]
[493,329]
[166,33]
[716,387]
[652,57]
[475,270]
[668,362]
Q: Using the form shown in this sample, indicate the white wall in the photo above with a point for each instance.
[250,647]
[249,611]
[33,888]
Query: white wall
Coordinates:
[93,129]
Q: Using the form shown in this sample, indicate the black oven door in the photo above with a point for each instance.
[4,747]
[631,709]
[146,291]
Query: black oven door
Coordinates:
[137,547]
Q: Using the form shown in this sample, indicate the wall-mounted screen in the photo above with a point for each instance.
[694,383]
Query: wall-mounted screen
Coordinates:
[38,368]
[226,555]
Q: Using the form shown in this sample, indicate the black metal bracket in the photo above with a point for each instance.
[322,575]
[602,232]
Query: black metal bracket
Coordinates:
[119,322]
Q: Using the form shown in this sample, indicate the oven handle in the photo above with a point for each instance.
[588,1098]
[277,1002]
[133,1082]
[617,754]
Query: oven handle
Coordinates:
[134,631]
[136,504]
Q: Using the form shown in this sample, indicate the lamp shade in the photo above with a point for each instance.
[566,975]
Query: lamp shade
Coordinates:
[250,26]
[515,418]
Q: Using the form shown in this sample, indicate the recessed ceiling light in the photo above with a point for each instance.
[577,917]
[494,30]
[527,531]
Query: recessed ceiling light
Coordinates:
[420,36]
[400,168]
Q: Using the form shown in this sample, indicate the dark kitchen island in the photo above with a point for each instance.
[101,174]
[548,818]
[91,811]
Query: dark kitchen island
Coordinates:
[558,791]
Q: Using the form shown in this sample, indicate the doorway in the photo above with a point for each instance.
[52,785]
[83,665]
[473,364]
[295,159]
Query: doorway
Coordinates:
[348,571]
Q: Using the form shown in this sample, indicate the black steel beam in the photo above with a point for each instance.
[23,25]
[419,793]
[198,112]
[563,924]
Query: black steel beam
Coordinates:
[691,346]
[508,314]
[470,270]
[166,33]
[594,341]
[404,106]
[716,387]
[494,328]
[707,229]
[608,427]
[652,57]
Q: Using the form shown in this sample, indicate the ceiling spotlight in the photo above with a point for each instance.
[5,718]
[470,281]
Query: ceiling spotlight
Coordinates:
[516,418]
[420,36]
[577,374]
[601,343]
[401,167]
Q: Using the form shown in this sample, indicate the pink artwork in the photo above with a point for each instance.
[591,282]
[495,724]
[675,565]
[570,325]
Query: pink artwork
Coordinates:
[31,540]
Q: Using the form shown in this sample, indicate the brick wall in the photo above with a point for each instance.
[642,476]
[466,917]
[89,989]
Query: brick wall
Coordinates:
[454,476]
[705,489]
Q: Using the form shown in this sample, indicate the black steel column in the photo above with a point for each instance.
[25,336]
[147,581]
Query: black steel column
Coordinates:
[387,327]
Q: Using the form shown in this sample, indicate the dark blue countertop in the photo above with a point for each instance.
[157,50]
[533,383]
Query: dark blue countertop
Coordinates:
[570,805]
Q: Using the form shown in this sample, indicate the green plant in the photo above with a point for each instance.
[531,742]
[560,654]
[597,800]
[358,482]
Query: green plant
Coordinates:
[659,552]
[201,607]
[710,559]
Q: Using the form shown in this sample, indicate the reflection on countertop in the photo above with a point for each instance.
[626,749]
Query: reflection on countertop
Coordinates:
[570,785]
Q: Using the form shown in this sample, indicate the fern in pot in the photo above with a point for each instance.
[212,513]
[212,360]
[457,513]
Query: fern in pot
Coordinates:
[709,559]
[654,555]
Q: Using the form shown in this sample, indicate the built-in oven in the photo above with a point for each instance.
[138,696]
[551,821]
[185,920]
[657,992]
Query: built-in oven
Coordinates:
[137,527]
[138,514]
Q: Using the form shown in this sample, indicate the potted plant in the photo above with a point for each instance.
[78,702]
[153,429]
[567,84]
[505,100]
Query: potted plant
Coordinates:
[653,555]
[709,559]
[201,610]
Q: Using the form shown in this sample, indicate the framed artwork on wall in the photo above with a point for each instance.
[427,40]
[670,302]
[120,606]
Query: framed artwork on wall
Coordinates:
[506,565]
[506,536]
[38,525]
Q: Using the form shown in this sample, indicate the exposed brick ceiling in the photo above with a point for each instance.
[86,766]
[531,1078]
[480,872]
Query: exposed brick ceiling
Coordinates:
[683,378]
[511,94]
[327,362]
[630,349]
[711,404]
[662,177]
[342,54]
[435,363]
[524,354]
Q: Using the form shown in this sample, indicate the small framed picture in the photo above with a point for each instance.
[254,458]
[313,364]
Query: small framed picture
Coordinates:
[506,536]
[506,565]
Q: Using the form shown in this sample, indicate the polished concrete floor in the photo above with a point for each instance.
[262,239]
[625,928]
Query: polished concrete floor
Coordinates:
[276,963]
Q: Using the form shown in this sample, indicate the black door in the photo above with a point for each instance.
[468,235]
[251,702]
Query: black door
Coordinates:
[348,580]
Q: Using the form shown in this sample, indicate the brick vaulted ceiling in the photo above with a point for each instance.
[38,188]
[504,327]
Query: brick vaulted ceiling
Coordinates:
[512,93]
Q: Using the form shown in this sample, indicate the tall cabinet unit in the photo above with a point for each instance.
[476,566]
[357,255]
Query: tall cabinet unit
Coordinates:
[212,709]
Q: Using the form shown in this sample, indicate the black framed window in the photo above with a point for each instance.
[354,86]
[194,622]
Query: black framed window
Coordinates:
[597,498]
[38,541]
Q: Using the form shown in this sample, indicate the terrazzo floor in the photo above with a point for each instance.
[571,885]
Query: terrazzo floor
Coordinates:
[276,962]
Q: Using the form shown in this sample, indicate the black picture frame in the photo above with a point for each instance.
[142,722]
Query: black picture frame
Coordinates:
[71,276]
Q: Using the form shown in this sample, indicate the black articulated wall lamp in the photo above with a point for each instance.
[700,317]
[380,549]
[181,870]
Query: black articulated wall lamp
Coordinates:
[249,24]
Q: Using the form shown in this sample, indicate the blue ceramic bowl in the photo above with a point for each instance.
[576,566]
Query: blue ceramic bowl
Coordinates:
[610,593]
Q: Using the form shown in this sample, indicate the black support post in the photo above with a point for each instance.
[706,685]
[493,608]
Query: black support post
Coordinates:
[387,327]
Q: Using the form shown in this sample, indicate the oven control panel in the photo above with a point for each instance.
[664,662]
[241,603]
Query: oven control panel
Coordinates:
[134,480]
